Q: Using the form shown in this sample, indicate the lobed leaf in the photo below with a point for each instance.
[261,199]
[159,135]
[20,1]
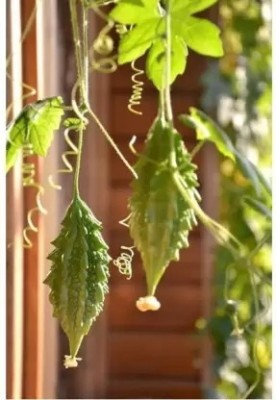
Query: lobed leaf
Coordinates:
[191,6]
[208,130]
[156,60]
[202,36]
[137,41]
[35,125]
[134,11]
[147,19]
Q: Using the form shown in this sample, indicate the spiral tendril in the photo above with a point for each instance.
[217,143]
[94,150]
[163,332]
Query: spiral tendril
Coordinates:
[124,261]
[73,151]
[103,46]
[28,178]
[137,90]
[31,91]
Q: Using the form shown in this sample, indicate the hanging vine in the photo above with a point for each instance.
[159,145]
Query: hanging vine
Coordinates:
[165,203]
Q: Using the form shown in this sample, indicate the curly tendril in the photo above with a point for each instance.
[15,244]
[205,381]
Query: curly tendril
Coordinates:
[28,177]
[73,151]
[103,46]
[137,90]
[124,261]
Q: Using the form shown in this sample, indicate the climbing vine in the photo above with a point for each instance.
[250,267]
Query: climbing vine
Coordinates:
[165,203]
[240,89]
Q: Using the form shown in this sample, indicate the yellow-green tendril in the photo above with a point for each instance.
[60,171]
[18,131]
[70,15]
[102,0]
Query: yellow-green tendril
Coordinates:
[103,46]
[137,90]
[73,151]
[28,177]
[124,261]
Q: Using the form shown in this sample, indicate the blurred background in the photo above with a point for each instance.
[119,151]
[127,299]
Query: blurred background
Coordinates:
[185,350]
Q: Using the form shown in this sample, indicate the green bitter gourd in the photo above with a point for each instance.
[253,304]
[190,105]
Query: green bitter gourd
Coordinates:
[79,274]
[160,218]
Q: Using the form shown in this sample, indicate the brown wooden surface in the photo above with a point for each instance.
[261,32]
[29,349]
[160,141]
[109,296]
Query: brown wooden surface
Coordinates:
[172,316]
[14,277]
[153,388]
[14,286]
[154,355]
[32,361]
[125,124]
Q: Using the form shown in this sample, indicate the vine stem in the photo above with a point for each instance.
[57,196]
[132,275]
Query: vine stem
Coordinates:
[111,141]
[82,61]
[167,100]
[196,149]
[78,49]
[81,55]
[221,234]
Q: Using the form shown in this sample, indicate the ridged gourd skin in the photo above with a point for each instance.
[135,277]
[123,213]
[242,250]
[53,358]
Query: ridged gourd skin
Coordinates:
[160,218]
[78,278]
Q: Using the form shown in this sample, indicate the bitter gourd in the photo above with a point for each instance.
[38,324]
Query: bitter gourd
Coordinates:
[160,218]
[79,274]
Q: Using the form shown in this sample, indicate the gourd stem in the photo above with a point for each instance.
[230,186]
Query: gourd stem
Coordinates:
[78,48]
[111,141]
[196,149]
[85,54]
[221,234]
[78,163]
[81,54]
[168,44]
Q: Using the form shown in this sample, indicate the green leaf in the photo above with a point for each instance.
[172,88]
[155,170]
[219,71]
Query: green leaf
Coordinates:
[208,130]
[134,12]
[149,28]
[258,206]
[192,6]
[35,125]
[156,61]
[16,133]
[78,278]
[201,36]
[251,172]
[44,119]
[137,41]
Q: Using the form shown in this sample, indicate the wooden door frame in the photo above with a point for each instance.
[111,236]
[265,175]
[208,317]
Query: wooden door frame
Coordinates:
[32,357]
[14,222]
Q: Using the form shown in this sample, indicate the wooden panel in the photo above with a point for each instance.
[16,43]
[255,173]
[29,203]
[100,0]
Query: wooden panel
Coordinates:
[156,389]
[125,123]
[211,205]
[14,220]
[33,295]
[189,82]
[148,355]
[180,308]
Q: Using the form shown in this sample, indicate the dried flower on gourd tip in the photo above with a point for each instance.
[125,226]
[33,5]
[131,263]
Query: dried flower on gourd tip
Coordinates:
[148,303]
[71,362]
